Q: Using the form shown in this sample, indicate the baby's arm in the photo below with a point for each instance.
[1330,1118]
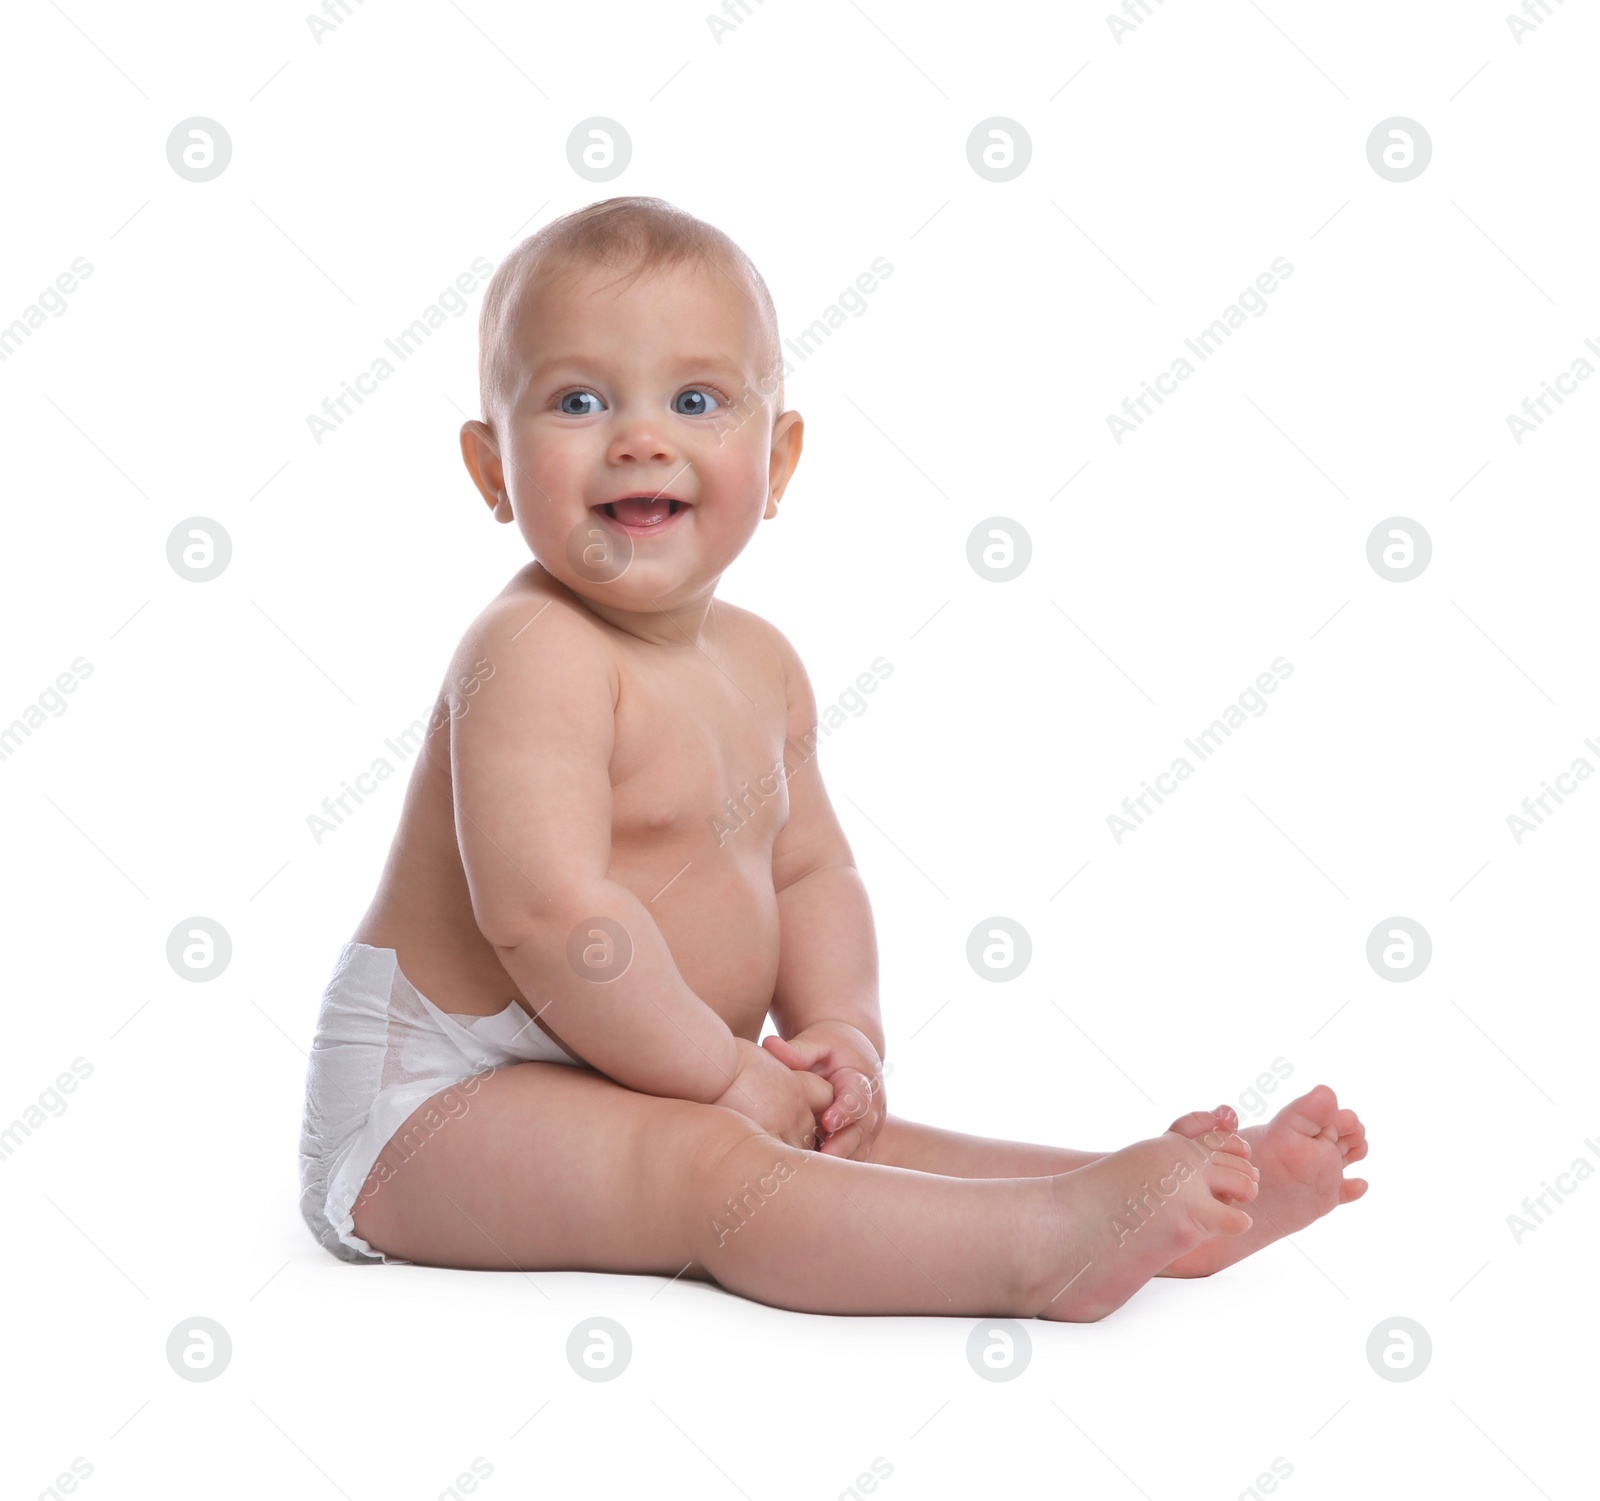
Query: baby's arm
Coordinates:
[826,997]
[530,767]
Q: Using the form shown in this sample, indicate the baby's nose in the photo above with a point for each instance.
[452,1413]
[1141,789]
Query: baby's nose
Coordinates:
[641,437]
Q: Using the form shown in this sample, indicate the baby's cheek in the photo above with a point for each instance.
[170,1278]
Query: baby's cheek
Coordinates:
[744,458]
[551,469]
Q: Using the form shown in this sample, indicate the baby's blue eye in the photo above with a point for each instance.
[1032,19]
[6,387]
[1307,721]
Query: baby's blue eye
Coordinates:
[700,395]
[578,396]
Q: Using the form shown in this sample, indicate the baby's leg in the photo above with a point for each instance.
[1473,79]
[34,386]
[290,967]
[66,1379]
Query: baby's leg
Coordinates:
[1301,1156]
[558,1168]
[955,1154]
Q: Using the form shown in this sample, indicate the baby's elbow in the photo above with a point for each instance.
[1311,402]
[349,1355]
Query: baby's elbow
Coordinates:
[546,919]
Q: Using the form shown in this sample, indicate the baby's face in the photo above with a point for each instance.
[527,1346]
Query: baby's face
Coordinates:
[652,390]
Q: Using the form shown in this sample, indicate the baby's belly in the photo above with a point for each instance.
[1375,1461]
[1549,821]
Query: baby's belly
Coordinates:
[716,909]
[720,923]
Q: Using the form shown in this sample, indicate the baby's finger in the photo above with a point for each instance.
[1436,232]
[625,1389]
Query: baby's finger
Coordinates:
[852,1098]
[815,1091]
[796,1055]
[805,1137]
[844,1143]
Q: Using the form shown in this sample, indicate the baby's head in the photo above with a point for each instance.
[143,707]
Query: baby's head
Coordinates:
[631,350]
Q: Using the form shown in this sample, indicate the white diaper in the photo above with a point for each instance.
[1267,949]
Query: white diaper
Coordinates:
[382,1048]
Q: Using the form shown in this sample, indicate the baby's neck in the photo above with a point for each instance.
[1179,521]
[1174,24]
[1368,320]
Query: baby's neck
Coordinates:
[679,623]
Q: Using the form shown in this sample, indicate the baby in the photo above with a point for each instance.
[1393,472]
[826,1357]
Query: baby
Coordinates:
[539,1050]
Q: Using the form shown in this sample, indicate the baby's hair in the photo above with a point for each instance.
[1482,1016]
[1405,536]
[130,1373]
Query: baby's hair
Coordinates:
[635,235]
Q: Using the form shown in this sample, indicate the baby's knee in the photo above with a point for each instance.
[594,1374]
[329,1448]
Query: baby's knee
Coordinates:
[742,1179]
[724,1138]
[739,1165]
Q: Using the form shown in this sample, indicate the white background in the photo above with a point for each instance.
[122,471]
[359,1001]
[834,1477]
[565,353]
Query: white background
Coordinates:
[1167,172]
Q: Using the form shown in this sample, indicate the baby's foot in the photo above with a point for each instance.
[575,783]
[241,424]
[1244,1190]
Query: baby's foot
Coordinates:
[1198,1122]
[1133,1212]
[1301,1153]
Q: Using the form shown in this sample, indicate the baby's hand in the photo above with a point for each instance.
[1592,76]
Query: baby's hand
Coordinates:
[846,1058]
[782,1105]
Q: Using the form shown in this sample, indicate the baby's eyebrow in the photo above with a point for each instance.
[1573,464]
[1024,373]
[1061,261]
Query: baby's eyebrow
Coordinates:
[707,362]
[721,362]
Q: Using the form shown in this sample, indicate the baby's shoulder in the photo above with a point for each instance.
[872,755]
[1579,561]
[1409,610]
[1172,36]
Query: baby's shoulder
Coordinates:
[757,635]
[527,632]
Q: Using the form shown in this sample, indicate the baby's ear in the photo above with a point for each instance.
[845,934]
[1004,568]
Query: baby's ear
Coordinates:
[481,455]
[788,438]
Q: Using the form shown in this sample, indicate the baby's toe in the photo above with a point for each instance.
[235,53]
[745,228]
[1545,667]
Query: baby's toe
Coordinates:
[1352,1135]
[1313,1113]
[1197,1123]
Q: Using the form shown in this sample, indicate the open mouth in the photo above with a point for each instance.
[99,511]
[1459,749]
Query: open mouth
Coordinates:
[642,513]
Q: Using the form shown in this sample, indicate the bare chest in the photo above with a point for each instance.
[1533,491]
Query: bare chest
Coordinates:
[698,765]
